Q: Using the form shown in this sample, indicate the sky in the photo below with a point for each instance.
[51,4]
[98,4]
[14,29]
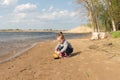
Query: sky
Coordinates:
[41,14]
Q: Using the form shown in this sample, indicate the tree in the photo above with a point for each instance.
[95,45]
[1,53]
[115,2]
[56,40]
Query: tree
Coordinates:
[88,6]
[103,14]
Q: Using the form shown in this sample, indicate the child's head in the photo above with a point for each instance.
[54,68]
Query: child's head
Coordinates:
[60,37]
[60,34]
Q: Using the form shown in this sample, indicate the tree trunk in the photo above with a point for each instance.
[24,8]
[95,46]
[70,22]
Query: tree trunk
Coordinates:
[113,25]
[90,15]
[111,15]
[91,20]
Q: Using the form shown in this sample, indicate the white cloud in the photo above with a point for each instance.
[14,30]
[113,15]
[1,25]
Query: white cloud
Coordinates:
[50,8]
[75,13]
[28,13]
[20,15]
[1,16]
[53,13]
[7,2]
[23,12]
[46,16]
[25,7]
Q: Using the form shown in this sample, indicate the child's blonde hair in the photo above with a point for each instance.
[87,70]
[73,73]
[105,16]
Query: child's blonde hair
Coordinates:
[60,35]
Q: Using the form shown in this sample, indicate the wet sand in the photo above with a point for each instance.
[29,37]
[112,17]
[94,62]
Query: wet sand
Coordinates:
[91,60]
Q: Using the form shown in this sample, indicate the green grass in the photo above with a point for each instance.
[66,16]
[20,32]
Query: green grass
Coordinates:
[115,34]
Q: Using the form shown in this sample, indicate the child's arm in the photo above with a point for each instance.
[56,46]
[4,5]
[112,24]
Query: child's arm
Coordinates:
[56,48]
[65,47]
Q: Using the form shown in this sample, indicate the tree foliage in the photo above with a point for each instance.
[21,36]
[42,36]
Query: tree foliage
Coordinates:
[104,15]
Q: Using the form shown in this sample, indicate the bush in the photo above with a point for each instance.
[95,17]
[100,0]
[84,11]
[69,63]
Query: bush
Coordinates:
[115,34]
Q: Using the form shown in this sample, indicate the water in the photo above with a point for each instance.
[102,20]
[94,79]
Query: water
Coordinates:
[18,42]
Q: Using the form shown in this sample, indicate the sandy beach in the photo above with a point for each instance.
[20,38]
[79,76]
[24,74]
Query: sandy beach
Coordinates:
[91,60]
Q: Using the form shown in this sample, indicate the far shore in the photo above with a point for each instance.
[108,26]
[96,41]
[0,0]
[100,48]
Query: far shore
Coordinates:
[80,29]
[15,30]
[55,31]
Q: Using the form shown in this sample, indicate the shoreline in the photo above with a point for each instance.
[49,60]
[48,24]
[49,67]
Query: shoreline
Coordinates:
[14,54]
[97,59]
[11,55]
[17,51]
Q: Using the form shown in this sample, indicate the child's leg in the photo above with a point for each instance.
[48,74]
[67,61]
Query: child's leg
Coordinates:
[69,51]
[65,55]
[62,54]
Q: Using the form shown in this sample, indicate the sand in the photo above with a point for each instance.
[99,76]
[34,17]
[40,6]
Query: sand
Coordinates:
[80,29]
[91,60]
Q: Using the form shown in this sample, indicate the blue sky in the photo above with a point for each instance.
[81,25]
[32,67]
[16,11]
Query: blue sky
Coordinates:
[41,14]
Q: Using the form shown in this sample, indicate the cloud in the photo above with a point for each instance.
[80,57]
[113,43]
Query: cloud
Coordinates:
[1,16]
[13,18]
[46,16]
[25,7]
[8,2]
[5,2]
[29,14]
[54,13]
[50,8]
[75,13]
[20,15]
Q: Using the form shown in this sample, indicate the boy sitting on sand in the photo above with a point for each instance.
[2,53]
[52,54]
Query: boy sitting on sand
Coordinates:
[64,48]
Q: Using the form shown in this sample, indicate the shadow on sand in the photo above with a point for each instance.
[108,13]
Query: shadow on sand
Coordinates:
[75,54]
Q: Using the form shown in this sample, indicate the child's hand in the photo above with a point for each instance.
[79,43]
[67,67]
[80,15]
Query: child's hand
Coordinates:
[57,52]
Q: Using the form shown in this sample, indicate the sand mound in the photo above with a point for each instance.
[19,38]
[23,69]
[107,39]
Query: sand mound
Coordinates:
[81,29]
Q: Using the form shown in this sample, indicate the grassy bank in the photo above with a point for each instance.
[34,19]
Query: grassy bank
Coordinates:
[115,34]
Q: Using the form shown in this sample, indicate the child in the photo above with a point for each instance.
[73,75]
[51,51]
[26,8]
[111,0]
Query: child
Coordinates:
[64,48]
